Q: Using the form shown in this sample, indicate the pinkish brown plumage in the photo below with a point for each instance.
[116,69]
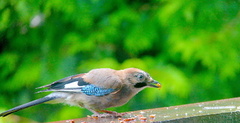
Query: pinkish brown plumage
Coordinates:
[96,90]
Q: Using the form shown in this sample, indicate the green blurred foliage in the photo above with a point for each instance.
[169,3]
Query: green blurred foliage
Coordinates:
[191,47]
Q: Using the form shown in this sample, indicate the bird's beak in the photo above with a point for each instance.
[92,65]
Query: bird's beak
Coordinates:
[154,84]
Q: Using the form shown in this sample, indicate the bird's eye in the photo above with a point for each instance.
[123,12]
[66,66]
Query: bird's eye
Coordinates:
[140,77]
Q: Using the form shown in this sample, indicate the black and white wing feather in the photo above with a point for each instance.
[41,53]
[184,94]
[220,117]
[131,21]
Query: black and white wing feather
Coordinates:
[76,84]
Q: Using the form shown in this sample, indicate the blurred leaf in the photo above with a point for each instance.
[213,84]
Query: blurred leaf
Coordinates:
[93,64]
[8,62]
[137,63]
[4,19]
[74,43]
[26,75]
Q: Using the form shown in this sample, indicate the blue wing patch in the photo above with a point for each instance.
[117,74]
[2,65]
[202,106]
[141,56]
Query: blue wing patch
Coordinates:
[93,90]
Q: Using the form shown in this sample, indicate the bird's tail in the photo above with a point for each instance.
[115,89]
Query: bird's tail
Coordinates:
[26,105]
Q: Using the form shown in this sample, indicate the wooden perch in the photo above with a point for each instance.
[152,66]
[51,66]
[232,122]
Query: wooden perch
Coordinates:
[227,110]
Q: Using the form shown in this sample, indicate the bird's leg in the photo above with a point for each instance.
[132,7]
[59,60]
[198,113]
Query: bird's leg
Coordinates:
[95,113]
[106,113]
[111,113]
[98,114]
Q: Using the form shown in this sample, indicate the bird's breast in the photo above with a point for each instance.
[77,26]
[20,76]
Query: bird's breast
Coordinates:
[121,97]
[102,102]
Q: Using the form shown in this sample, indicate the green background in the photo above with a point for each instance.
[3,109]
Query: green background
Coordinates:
[191,47]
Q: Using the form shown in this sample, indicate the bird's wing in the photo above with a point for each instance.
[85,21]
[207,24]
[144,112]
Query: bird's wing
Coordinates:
[77,84]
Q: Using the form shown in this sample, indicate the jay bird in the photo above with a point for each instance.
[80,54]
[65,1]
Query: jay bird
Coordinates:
[96,90]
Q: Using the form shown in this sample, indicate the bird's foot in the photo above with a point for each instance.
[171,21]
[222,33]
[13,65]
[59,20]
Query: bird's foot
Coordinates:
[109,114]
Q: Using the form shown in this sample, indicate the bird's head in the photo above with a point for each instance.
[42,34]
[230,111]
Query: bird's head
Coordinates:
[139,79]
